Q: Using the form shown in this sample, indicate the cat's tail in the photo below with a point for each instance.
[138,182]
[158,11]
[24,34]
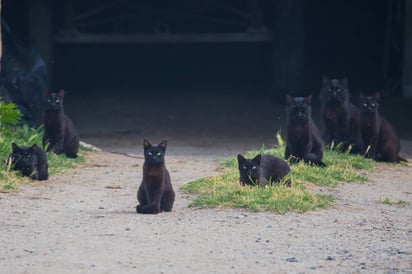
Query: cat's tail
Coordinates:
[401,159]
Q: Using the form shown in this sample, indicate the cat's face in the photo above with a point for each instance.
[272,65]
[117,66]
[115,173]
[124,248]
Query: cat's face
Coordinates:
[154,154]
[54,101]
[299,108]
[23,157]
[249,168]
[369,105]
[335,91]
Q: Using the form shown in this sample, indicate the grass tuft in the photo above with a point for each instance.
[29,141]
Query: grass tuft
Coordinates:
[224,190]
[26,136]
[399,203]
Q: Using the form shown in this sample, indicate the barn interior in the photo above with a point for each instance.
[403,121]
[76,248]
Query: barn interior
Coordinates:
[207,74]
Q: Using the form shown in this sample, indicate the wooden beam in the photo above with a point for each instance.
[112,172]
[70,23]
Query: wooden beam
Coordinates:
[97,10]
[407,51]
[40,26]
[119,18]
[229,8]
[83,38]
[288,50]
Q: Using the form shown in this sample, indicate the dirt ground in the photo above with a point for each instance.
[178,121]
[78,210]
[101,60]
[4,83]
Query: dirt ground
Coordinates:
[84,221]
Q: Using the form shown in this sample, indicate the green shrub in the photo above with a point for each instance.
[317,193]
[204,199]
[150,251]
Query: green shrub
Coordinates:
[12,131]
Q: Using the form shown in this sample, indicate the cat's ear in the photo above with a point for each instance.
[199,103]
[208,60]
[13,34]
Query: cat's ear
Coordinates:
[308,99]
[60,93]
[361,96]
[15,147]
[146,144]
[289,99]
[240,159]
[257,159]
[325,80]
[34,148]
[163,145]
[344,82]
[377,97]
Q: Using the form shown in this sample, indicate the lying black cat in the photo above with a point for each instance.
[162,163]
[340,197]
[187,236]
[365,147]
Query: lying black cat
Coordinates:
[59,133]
[155,193]
[380,141]
[30,161]
[262,170]
[341,118]
[302,141]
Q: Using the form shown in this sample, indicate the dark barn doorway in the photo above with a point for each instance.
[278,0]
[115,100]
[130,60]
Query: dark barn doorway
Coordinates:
[198,72]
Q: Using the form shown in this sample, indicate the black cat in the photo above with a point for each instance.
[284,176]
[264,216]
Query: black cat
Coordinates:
[30,161]
[380,141]
[155,193]
[341,118]
[262,170]
[303,141]
[59,133]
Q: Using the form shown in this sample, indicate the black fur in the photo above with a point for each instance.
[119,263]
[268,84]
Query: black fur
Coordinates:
[155,193]
[30,161]
[59,133]
[380,141]
[303,141]
[262,170]
[340,117]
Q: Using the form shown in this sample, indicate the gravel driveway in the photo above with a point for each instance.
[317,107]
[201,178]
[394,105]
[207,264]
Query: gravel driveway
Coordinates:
[84,221]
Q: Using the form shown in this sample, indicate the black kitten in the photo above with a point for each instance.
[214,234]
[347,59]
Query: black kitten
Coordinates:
[303,141]
[155,193]
[30,161]
[380,141]
[341,118]
[262,170]
[59,133]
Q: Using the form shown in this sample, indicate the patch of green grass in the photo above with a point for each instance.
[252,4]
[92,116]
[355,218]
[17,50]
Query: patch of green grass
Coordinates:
[23,135]
[400,203]
[341,167]
[225,191]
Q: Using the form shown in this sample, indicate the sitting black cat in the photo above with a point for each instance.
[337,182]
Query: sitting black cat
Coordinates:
[262,170]
[303,141]
[380,141]
[155,193]
[30,161]
[59,133]
[341,118]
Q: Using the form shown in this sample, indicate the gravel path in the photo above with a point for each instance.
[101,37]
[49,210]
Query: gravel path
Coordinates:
[84,221]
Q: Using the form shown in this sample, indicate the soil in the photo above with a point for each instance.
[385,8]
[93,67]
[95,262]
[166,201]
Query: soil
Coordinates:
[84,220]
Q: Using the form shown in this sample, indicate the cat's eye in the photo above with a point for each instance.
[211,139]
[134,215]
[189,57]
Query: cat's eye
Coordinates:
[158,154]
[150,153]
[27,155]
[373,105]
[365,105]
[338,90]
[330,89]
[244,167]
[254,167]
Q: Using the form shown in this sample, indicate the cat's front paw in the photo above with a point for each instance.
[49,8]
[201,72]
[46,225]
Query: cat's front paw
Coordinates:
[138,209]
